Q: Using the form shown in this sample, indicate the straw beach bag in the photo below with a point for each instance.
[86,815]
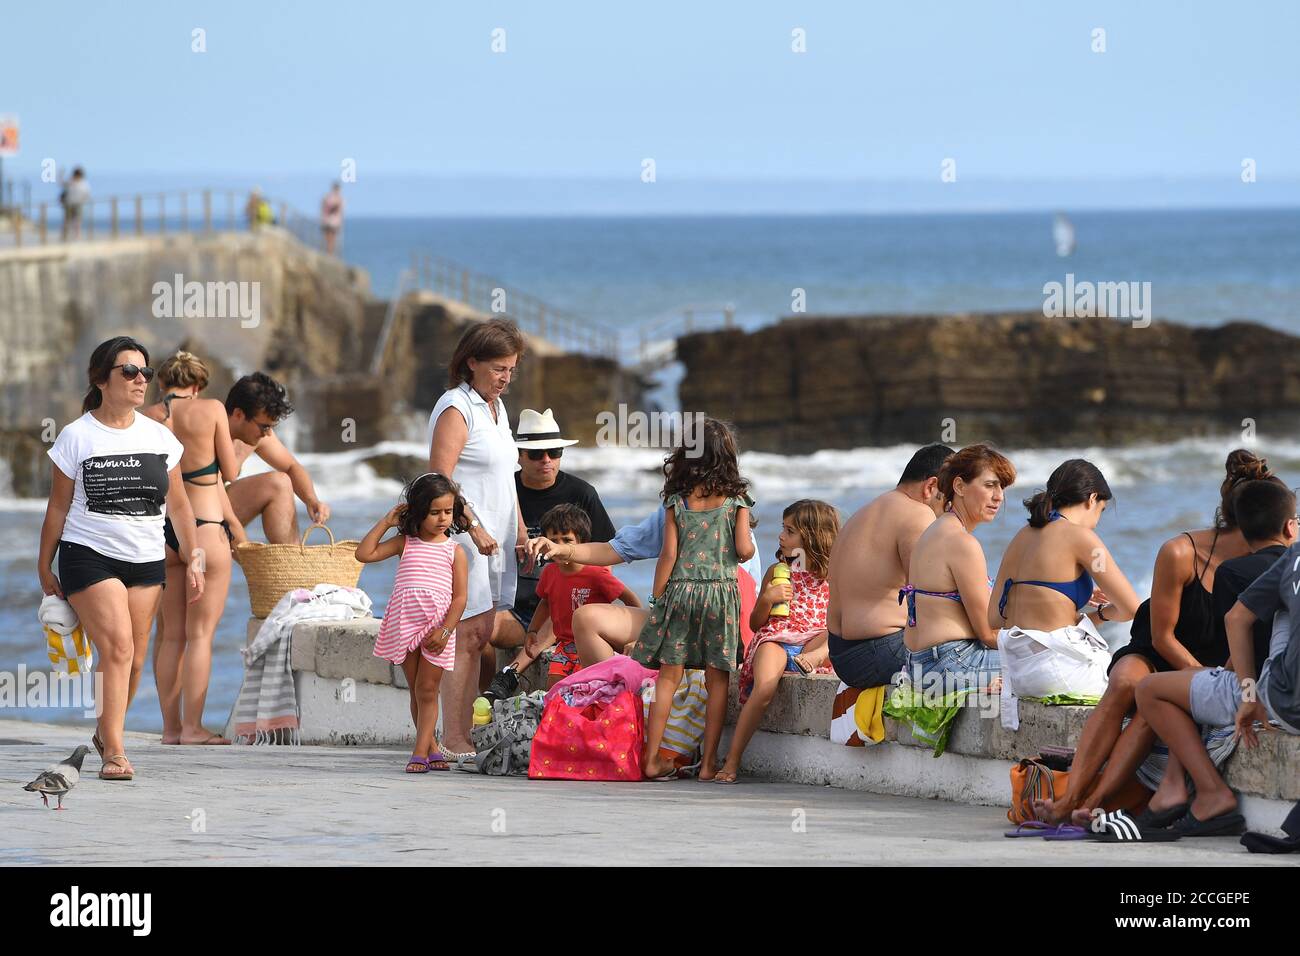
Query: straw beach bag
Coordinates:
[273,570]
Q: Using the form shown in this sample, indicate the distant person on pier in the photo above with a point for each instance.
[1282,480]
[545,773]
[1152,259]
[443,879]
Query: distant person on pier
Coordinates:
[182,656]
[540,485]
[470,441]
[255,405]
[331,217]
[74,197]
[258,210]
[868,566]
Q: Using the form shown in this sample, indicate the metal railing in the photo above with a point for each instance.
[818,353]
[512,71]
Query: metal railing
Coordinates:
[486,294]
[156,213]
[682,320]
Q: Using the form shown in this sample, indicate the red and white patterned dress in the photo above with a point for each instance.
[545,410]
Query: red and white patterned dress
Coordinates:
[807,618]
[421,596]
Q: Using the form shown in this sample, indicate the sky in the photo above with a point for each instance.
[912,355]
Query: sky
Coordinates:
[1015,95]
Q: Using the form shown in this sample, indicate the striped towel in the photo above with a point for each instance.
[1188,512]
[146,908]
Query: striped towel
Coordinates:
[267,709]
[1220,743]
[66,643]
[684,734]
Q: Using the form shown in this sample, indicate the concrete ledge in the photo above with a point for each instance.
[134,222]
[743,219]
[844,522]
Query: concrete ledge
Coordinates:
[802,706]
[349,696]
[346,695]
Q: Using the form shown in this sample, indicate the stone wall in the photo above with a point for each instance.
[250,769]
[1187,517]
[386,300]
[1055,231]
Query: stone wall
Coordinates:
[1018,379]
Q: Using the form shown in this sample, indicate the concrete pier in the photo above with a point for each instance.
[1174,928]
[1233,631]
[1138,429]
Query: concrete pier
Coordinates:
[354,806]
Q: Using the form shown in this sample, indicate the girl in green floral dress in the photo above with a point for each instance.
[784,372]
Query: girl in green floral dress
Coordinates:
[695,618]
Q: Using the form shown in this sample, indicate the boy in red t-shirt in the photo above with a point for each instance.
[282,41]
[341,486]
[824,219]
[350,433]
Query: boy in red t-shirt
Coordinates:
[563,587]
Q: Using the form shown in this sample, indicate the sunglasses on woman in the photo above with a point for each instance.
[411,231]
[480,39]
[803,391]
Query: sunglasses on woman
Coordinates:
[131,370]
[535,454]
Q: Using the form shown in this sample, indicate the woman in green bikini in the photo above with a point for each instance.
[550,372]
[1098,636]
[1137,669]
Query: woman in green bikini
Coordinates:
[182,659]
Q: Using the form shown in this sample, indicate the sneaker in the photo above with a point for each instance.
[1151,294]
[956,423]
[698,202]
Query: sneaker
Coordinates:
[503,685]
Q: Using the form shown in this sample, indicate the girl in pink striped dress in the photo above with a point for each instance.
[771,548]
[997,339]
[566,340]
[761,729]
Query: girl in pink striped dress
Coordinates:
[429,594]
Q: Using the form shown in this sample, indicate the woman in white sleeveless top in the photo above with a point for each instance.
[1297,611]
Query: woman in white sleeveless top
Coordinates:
[470,440]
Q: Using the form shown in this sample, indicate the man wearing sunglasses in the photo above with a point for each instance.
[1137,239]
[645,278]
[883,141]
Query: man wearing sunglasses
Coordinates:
[541,485]
[256,404]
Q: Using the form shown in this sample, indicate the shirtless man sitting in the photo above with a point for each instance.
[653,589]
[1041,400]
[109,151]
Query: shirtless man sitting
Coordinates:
[255,405]
[869,566]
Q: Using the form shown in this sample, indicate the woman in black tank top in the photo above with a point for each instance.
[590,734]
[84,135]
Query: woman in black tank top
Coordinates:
[1194,629]
[1106,741]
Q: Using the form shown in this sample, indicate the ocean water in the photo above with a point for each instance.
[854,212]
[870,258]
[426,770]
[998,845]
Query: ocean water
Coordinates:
[1205,267]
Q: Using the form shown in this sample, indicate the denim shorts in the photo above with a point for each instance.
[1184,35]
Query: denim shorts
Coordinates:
[967,664]
[870,662]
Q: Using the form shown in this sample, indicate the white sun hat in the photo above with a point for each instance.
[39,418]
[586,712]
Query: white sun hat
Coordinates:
[540,430]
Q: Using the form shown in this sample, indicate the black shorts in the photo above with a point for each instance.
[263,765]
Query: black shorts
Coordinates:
[80,567]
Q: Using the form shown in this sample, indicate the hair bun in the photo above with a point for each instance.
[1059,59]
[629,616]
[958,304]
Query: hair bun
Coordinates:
[1243,465]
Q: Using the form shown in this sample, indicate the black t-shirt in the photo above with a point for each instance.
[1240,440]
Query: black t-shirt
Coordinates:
[567,490]
[1233,577]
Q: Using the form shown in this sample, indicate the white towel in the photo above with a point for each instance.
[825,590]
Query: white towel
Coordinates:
[58,615]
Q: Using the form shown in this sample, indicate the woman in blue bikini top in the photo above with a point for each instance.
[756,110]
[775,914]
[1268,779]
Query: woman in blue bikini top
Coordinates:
[1061,534]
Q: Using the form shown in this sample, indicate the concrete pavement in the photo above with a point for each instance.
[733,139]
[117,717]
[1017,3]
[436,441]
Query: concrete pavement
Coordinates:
[354,806]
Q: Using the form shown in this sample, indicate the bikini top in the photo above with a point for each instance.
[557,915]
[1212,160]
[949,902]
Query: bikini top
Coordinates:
[189,476]
[211,469]
[910,592]
[1079,590]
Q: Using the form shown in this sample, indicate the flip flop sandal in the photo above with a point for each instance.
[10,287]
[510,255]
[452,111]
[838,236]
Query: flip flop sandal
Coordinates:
[717,778]
[117,760]
[1032,828]
[421,763]
[1119,827]
[804,667]
[215,740]
[1067,831]
[99,745]
[1160,819]
[435,758]
[1225,824]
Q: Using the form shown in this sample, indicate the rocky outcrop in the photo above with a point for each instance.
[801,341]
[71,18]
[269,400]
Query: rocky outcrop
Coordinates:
[1018,379]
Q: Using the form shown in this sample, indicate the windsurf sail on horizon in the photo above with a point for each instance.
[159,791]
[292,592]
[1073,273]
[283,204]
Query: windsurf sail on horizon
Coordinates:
[1063,235]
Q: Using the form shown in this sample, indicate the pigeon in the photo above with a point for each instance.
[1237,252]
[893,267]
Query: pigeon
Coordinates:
[57,779]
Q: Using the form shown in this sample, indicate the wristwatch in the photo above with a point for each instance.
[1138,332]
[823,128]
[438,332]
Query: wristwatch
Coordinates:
[473,523]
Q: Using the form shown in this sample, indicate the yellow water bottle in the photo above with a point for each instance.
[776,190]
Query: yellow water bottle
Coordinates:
[482,711]
[781,575]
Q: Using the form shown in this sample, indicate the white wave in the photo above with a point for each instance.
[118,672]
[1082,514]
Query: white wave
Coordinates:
[637,472]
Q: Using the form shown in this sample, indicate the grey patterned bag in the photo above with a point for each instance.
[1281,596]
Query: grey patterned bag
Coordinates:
[504,745]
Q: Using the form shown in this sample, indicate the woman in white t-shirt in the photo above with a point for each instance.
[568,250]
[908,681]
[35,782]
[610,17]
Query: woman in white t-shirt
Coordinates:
[470,441]
[116,476]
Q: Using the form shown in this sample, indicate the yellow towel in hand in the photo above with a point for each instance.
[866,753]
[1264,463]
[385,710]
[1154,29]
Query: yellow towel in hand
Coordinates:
[69,653]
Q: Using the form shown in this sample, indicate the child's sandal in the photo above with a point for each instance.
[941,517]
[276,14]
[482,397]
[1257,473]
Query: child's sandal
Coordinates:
[438,762]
